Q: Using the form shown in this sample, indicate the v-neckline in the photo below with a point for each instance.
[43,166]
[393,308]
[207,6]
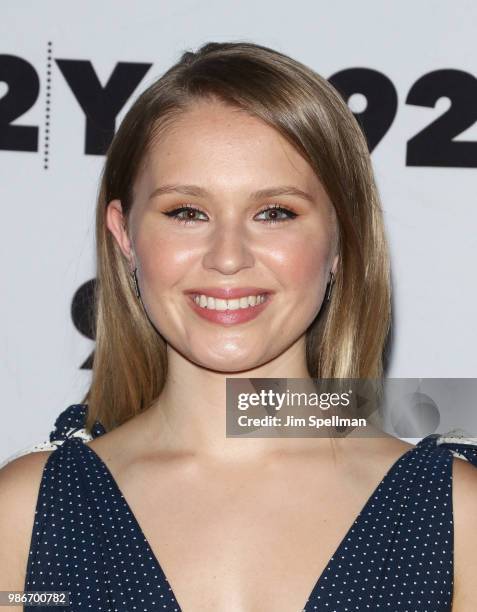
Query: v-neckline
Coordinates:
[325,571]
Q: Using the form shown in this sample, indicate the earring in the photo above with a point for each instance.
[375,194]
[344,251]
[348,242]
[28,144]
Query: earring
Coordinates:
[330,287]
[136,286]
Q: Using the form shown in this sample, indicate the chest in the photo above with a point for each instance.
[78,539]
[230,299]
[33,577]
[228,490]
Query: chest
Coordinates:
[242,541]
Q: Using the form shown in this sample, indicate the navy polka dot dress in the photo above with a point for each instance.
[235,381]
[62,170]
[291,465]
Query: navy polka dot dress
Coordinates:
[397,555]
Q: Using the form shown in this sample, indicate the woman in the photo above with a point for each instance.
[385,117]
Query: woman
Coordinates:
[240,174]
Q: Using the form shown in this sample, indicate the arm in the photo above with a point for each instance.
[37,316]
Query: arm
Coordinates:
[464,499]
[19,486]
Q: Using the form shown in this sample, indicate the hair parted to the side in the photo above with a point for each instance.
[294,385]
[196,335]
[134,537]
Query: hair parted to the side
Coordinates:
[348,336]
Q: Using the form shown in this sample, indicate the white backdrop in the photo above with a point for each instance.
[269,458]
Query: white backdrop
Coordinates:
[428,186]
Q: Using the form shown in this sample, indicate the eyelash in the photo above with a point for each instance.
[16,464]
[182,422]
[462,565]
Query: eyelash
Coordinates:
[173,213]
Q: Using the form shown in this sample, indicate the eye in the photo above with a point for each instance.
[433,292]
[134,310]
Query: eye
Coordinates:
[274,211]
[190,214]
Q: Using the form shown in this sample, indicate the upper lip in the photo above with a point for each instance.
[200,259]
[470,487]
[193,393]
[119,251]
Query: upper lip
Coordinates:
[229,293]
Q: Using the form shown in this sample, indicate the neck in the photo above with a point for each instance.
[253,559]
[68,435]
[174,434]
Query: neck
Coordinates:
[189,417]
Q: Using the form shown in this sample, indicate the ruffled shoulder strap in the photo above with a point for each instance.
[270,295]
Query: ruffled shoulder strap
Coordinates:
[460,443]
[69,424]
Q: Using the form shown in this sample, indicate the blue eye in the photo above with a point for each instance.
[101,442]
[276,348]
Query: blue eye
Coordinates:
[191,212]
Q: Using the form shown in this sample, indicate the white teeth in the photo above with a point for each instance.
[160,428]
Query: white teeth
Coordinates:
[219,304]
[211,303]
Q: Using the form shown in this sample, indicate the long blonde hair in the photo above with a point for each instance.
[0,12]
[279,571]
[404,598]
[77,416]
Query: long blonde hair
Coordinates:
[347,338]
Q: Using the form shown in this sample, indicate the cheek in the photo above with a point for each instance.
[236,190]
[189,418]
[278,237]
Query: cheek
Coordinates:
[300,261]
[164,259]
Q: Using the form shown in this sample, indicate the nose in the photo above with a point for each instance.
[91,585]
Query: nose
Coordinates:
[228,249]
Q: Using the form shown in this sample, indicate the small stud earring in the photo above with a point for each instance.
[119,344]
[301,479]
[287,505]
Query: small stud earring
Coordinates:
[135,283]
[330,287]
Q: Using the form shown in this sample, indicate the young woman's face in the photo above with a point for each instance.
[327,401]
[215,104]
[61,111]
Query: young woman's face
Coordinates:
[230,240]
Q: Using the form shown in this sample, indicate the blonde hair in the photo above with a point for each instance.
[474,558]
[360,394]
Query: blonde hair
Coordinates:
[347,338]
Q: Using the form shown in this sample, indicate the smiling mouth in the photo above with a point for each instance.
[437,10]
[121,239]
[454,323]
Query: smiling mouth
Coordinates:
[247,302]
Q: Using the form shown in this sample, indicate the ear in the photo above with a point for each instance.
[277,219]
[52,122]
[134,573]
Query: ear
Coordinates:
[117,226]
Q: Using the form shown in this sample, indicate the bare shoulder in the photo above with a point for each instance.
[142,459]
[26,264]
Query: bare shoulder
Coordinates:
[464,501]
[19,487]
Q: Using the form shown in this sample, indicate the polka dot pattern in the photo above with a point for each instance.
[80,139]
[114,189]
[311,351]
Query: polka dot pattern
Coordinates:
[397,555]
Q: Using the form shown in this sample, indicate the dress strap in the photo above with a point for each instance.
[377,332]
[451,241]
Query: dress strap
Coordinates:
[71,424]
[460,443]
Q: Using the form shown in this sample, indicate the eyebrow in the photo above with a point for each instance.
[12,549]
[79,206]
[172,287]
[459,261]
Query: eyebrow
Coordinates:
[195,190]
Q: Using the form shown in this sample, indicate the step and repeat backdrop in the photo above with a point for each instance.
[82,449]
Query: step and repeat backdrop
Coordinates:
[68,74]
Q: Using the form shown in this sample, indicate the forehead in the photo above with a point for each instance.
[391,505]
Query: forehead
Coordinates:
[224,147]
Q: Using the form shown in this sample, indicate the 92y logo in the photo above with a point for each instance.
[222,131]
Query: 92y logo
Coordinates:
[101,104]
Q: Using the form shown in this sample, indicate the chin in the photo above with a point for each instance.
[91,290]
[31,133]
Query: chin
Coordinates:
[227,362]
